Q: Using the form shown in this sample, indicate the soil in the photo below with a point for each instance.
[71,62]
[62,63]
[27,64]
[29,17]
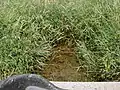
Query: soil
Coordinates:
[63,65]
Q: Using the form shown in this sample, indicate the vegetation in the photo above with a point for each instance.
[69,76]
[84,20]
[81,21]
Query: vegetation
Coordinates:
[30,28]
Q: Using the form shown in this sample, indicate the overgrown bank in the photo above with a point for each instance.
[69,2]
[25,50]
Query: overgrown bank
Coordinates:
[30,29]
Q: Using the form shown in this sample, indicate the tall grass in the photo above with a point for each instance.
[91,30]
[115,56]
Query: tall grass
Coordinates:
[30,28]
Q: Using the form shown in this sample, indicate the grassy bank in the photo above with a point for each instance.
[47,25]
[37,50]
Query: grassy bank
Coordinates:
[30,28]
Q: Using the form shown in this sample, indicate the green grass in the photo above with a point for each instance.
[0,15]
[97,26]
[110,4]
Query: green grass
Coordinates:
[30,28]
[99,41]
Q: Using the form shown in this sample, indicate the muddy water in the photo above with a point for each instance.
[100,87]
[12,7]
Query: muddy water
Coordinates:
[63,65]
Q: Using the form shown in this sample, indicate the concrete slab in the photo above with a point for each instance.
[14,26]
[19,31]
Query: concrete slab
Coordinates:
[88,85]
